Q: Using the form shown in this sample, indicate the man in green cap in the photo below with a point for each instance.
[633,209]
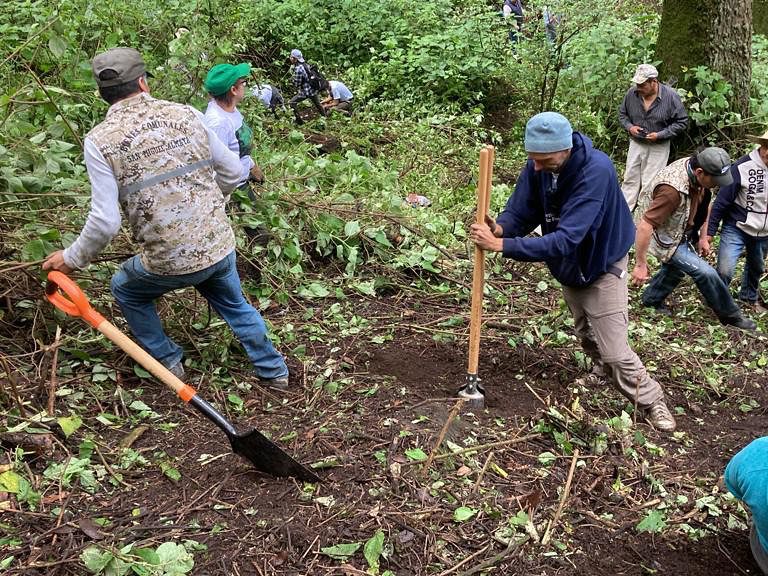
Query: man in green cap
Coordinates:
[226,84]
[171,176]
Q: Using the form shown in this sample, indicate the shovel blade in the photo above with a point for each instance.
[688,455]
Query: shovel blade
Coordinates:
[268,457]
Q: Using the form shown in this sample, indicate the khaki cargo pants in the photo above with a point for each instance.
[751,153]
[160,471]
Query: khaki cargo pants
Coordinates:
[601,322]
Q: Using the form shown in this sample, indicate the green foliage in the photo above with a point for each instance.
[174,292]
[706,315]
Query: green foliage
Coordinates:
[708,100]
[168,559]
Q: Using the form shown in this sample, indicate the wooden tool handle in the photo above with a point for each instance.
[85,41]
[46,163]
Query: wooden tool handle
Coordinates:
[141,356]
[478,275]
[74,302]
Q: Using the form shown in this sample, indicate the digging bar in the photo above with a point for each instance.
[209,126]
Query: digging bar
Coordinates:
[473,390]
[265,455]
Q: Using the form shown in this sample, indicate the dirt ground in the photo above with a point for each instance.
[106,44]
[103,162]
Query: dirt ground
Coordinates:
[393,397]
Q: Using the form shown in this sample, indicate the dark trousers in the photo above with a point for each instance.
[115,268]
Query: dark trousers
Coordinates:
[294,104]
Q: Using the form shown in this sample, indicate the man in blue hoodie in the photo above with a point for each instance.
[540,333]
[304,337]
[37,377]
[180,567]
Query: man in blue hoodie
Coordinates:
[572,191]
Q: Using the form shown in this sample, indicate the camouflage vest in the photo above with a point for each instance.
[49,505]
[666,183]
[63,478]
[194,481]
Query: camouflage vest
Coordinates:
[161,160]
[667,237]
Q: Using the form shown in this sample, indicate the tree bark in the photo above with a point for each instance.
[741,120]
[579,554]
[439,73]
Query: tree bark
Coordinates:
[713,34]
[760,17]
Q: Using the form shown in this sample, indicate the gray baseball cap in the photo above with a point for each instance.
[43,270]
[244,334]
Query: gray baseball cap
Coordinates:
[717,164]
[125,64]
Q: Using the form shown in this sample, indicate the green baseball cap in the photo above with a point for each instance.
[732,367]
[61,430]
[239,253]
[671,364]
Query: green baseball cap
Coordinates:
[222,77]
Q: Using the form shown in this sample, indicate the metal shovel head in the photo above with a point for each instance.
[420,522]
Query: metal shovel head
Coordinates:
[268,457]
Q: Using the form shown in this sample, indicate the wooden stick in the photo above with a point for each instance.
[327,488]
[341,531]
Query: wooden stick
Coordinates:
[482,472]
[481,447]
[451,415]
[478,274]
[466,560]
[550,529]
[511,547]
[54,366]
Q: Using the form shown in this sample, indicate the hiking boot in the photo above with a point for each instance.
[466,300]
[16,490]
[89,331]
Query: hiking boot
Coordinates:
[659,416]
[279,384]
[177,370]
[739,322]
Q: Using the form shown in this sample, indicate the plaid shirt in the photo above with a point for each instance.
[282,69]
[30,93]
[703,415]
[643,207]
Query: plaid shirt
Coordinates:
[301,80]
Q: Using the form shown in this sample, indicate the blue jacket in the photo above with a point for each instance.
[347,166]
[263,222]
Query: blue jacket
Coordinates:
[585,221]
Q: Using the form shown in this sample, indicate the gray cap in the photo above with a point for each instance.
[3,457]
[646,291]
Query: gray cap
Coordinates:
[717,164]
[122,65]
[296,53]
[645,72]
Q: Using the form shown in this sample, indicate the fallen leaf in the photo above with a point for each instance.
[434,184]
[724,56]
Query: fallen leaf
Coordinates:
[90,529]
[463,471]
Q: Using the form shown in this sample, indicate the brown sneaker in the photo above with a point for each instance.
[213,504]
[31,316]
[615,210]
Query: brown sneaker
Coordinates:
[659,416]
[278,384]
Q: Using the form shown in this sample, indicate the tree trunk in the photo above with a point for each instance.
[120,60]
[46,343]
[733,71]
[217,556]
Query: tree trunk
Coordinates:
[714,34]
[760,17]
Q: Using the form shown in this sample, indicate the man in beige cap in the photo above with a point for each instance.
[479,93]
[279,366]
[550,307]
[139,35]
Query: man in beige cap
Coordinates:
[742,207]
[171,175]
[652,113]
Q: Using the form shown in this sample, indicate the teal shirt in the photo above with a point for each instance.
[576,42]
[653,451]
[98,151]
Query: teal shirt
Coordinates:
[746,476]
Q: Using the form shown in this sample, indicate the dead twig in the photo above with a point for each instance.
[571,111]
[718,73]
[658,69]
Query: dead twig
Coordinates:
[451,415]
[566,491]
[54,365]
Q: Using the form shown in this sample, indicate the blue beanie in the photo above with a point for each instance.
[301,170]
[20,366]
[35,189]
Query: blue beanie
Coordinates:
[548,132]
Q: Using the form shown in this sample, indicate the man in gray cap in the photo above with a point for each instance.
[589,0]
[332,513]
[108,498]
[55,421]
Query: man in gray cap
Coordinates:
[572,191]
[304,88]
[171,176]
[653,114]
[671,212]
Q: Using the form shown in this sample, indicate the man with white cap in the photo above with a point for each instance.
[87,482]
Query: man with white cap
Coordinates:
[671,212]
[653,114]
[572,191]
[304,89]
[742,207]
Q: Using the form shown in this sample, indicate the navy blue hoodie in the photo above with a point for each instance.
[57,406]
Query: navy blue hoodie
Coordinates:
[585,221]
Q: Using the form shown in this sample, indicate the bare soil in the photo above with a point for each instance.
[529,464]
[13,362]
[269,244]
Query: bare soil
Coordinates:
[393,397]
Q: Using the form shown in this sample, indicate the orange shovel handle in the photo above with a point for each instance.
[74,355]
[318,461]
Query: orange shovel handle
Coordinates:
[77,304]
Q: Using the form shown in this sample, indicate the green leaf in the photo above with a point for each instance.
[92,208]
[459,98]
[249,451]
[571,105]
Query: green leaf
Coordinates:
[416,454]
[314,290]
[352,228]
[372,551]
[463,513]
[341,551]
[148,555]
[653,522]
[70,424]
[36,250]
[95,559]
[175,558]
[140,372]
[10,482]
[139,406]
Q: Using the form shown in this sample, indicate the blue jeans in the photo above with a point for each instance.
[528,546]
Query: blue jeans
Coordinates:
[732,243]
[686,261]
[136,290]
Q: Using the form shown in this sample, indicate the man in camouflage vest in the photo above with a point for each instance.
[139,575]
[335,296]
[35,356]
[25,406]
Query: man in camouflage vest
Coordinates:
[671,212]
[171,176]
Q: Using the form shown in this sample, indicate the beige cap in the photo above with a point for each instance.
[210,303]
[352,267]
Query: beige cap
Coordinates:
[645,72]
[762,140]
